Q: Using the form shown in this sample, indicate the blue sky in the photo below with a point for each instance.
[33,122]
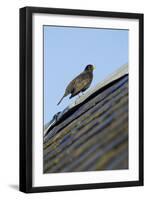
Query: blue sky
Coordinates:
[67,50]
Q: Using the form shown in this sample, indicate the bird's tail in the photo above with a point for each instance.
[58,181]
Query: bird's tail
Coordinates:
[61,99]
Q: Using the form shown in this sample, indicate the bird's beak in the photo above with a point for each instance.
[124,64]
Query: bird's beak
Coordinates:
[94,67]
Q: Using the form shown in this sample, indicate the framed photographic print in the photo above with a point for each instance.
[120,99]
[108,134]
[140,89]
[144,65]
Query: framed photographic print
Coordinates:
[81,99]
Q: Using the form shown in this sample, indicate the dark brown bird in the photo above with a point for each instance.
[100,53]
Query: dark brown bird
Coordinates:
[80,83]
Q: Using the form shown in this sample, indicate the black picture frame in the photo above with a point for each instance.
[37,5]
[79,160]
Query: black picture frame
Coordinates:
[26,98]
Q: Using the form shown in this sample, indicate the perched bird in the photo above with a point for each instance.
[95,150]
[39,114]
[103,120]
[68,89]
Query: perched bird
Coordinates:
[79,83]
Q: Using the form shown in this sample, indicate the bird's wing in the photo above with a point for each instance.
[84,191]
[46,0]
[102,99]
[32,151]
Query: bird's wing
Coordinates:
[81,82]
[70,87]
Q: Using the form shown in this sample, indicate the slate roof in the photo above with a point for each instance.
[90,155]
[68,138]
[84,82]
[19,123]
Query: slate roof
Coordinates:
[91,134]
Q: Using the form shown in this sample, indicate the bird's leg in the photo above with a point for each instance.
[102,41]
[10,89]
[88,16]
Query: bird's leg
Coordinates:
[81,94]
[77,99]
